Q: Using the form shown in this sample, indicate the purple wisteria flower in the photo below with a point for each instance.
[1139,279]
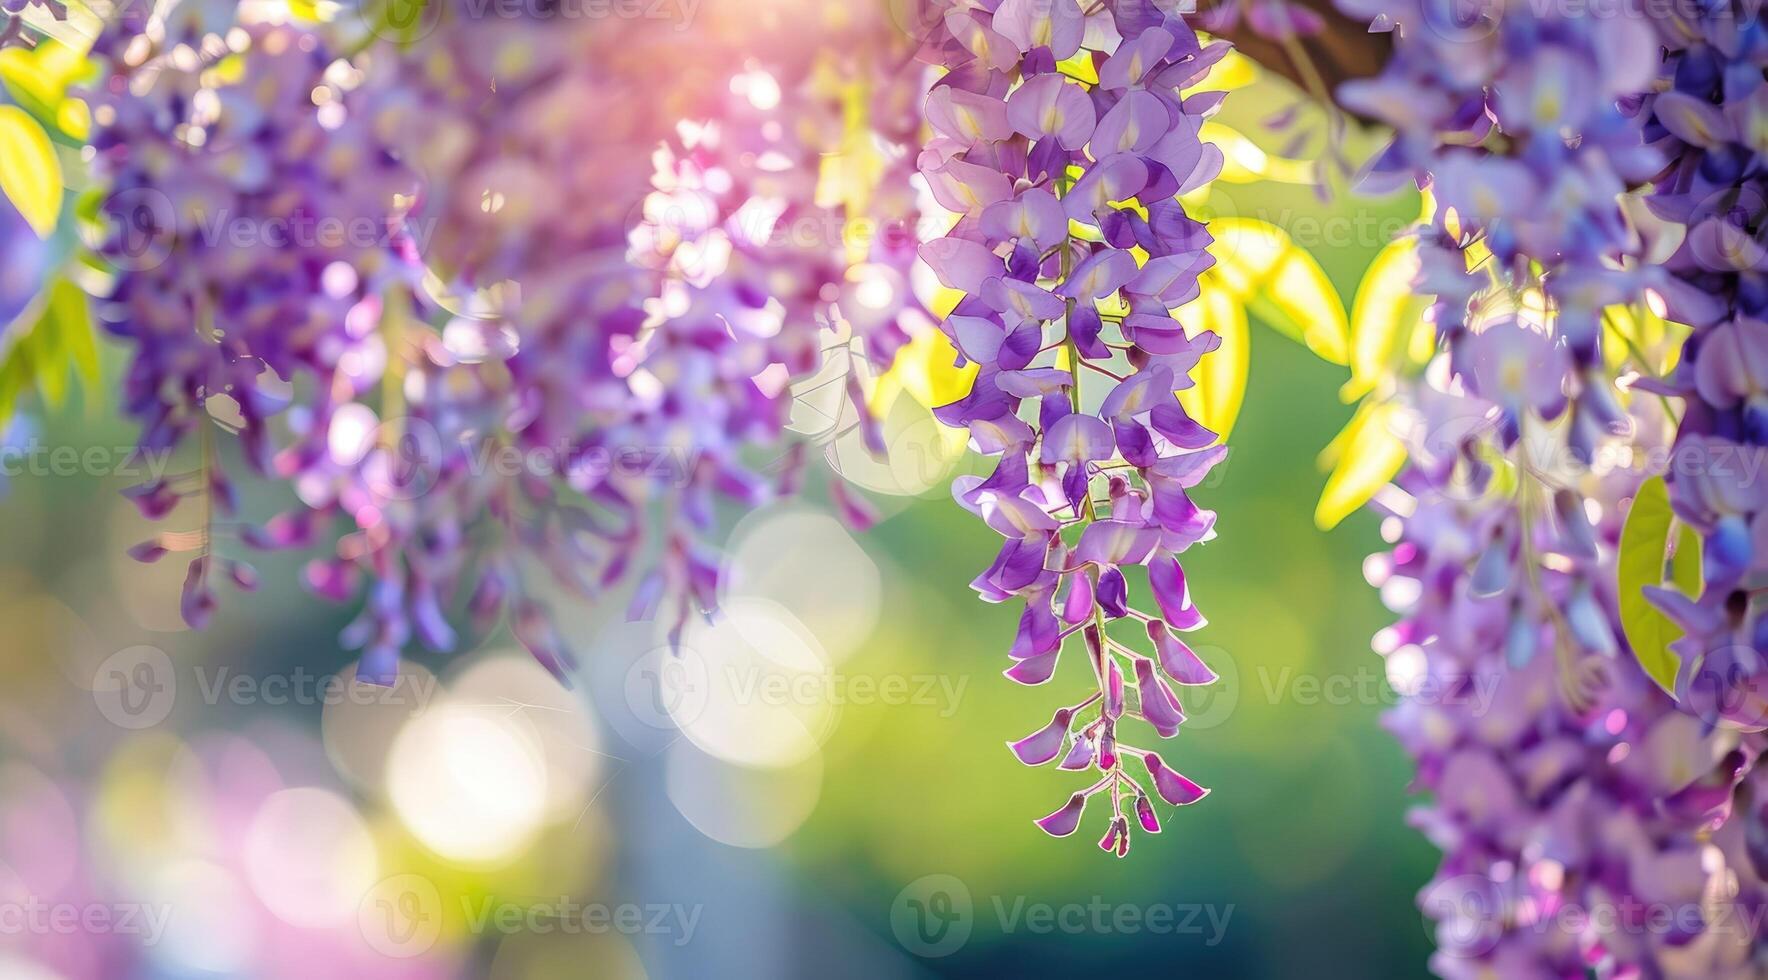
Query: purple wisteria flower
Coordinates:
[249,213]
[1509,115]
[1052,119]
[1572,800]
[1708,118]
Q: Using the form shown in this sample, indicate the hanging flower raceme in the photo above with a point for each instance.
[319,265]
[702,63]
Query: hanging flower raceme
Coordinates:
[1573,811]
[1573,784]
[1051,118]
[622,335]
[1709,119]
[250,210]
[1511,120]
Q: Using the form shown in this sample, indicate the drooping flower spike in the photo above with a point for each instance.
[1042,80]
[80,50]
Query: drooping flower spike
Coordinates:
[487,414]
[1050,119]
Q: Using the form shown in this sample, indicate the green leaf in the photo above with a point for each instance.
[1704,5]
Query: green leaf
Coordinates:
[1219,381]
[38,80]
[1383,316]
[1364,457]
[1645,540]
[61,338]
[1281,284]
[29,172]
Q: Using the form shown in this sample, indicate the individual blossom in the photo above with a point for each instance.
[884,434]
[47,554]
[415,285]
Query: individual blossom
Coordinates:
[1049,119]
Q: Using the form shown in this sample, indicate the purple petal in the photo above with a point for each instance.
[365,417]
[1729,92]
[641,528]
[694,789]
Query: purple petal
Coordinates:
[1134,59]
[967,117]
[1158,705]
[1027,301]
[1050,105]
[1038,631]
[1114,593]
[1044,744]
[1100,274]
[1066,820]
[1145,814]
[1135,123]
[1053,24]
[1080,756]
[1114,542]
[197,603]
[1077,438]
[1179,428]
[961,264]
[1115,178]
[1172,787]
[1035,670]
[1167,580]
[1079,603]
[1179,661]
[1035,215]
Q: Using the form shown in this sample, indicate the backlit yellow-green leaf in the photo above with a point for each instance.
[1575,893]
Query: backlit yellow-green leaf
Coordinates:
[1235,70]
[38,80]
[1644,552]
[1244,162]
[1382,316]
[924,369]
[1281,285]
[29,172]
[1220,377]
[59,339]
[1368,454]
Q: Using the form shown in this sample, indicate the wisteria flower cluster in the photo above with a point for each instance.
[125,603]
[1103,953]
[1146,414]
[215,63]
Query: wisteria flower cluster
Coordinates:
[1512,121]
[1708,121]
[1573,813]
[523,294]
[1578,785]
[250,212]
[1048,120]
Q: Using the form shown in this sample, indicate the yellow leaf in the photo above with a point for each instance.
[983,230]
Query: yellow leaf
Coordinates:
[1368,453]
[29,172]
[1282,284]
[1243,162]
[1235,70]
[38,80]
[1079,66]
[924,368]
[1382,315]
[1220,377]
